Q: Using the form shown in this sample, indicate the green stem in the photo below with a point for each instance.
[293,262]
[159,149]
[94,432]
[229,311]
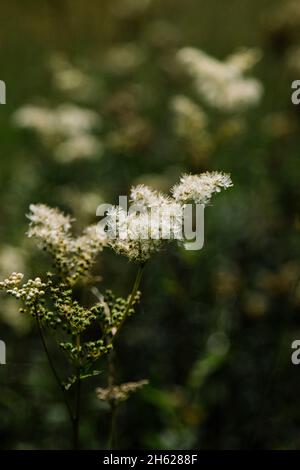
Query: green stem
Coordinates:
[52,367]
[132,296]
[112,403]
[76,418]
[111,368]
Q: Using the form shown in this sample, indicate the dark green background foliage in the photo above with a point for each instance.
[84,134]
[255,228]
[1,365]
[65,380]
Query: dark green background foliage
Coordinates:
[214,328]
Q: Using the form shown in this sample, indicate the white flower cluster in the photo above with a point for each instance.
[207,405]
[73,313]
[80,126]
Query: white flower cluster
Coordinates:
[223,85]
[12,281]
[200,188]
[154,218]
[138,235]
[47,221]
[144,196]
[73,256]
[28,292]
[68,128]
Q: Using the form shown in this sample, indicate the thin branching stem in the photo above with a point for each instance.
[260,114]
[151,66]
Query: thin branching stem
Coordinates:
[76,419]
[112,403]
[132,297]
[52,367]
[111,366]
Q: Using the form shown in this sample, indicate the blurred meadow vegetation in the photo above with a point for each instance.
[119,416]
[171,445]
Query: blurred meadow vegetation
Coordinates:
[214,328]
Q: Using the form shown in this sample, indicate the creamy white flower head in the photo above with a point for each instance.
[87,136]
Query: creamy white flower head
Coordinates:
[90,240]
[148,197]
[223,84]
[200,188]
[28,292]
[73,256]
[13,281]
[51,230]
[155,219]
[43,216]
[139,234]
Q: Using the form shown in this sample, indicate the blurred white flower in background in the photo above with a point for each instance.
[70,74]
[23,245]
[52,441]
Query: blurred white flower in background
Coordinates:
[38,118]
[65,121]
[223,85]
[188,114]
[191,126]
[83,146]
[73,120]
[123,59]
[67,130]
[71,80]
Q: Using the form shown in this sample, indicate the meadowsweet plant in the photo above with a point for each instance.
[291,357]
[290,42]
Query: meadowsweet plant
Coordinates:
[52,299]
